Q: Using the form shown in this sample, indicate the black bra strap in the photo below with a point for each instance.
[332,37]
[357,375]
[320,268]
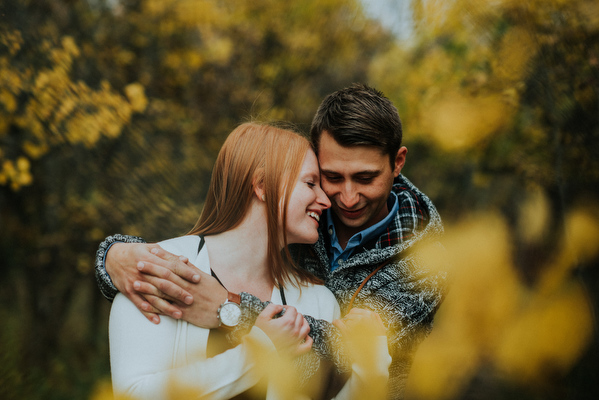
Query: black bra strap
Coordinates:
[283,296]
[214,275]
[201,244]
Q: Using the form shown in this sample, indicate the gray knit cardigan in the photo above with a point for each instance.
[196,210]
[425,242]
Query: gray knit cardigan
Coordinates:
[406,293]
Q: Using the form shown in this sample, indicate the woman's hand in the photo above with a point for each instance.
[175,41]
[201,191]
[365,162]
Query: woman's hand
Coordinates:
[151,278]
[289,332]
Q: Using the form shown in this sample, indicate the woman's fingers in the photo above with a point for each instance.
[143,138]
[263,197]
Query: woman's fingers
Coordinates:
[304,346]
[304,328]
[270,311]
[289,333]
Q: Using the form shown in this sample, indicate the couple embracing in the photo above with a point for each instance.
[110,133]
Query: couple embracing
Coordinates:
[302,253]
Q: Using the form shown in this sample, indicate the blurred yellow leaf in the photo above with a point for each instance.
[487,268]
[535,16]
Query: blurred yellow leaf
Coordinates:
[8,100]
[458,122]
[69,45]
[443,365]
[582,235]
[548,337]
[512,61]
[102,391]
[580,244]
[533,216]
[136,95]
[483,299]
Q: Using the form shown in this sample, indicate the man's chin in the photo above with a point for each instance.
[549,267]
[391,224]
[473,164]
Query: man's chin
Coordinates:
[352,223]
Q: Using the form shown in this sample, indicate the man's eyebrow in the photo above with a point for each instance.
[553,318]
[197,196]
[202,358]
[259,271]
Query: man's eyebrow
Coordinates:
[373,172]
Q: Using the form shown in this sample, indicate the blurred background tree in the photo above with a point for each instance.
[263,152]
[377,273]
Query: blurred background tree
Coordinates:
[112,112]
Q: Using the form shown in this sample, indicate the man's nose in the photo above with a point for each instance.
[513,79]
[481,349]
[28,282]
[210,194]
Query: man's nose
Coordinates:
[349,196]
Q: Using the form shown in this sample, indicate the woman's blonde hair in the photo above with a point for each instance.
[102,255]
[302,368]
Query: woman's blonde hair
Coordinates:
[257,154]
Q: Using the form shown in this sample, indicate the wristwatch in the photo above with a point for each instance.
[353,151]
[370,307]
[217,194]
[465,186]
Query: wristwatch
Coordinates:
[229,312]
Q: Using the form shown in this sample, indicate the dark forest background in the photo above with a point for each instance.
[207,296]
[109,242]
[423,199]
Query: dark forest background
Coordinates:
[112,112]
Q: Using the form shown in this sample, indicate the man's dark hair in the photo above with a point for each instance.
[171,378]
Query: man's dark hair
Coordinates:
[359,116]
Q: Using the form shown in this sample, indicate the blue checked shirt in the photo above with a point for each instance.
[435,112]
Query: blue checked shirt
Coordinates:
[337,254]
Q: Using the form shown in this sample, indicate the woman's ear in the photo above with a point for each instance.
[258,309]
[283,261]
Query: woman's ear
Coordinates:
[259,192]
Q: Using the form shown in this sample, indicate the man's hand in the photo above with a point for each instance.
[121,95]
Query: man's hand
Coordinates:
[358,329]
[151,278]
[289,333]
[208,295]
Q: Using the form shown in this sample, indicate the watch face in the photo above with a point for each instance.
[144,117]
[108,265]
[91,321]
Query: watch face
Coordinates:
[229,314]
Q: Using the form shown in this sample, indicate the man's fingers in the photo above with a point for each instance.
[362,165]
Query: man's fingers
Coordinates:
[146,308]
[340,324]
[358,311]
[153,318]
[170,290]
[178,265]
[165,255]
[164,307]
[157,268]
[149,289]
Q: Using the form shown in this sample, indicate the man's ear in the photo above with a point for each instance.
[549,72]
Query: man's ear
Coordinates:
[400,160]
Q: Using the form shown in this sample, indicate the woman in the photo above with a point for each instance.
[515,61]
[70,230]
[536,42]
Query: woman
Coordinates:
[264,194]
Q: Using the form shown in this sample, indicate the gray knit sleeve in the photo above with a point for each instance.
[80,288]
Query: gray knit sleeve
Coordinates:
[327,339]
[251,307]
[102,278]
[327,343]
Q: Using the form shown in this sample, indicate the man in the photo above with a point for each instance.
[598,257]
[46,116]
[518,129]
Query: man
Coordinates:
[366,253]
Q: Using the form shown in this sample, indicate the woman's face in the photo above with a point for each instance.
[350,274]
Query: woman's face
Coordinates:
[306,204]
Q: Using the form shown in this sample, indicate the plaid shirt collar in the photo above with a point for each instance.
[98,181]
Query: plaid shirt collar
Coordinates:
[337,254]
[413,217]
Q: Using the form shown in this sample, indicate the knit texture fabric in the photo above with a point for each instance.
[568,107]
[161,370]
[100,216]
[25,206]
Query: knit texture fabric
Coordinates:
[102,278]
[406,292]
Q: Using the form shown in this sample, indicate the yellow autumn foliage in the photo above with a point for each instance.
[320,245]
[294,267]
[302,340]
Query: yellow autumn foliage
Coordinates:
[547,336]
[516,50]
[137,98]
[57,109]
[458,121]
[533,216]
[492,317]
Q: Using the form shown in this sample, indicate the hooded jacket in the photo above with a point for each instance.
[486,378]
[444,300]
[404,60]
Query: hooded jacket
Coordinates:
[406,292]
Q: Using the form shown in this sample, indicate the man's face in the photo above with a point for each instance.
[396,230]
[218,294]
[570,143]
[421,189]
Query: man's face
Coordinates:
[358,181]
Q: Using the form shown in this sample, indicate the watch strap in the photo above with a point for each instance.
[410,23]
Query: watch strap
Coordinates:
[234,298]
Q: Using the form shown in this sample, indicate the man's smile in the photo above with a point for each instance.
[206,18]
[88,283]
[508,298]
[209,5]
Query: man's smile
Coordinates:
[352,214]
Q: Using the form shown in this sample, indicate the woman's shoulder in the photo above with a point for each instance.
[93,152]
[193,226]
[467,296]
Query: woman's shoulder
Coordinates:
[124,315]
[182,246]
